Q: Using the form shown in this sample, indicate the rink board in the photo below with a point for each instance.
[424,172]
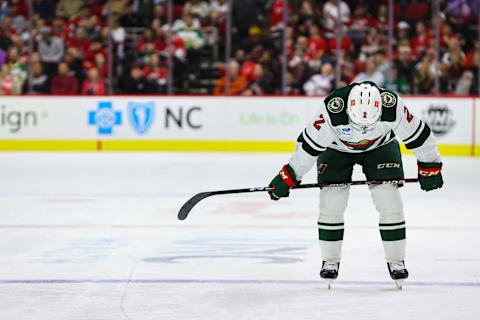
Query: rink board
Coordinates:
[200,123]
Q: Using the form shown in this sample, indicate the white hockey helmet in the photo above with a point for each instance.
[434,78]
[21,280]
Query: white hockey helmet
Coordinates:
[364,105]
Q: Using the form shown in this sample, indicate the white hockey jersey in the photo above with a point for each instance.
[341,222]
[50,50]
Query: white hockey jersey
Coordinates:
[331,128]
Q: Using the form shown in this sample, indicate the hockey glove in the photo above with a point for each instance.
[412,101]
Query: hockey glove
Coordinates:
[430,175]
[282,183]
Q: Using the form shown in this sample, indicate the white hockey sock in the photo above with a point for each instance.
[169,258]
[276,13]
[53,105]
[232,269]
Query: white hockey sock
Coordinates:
[333,202]
[392,221]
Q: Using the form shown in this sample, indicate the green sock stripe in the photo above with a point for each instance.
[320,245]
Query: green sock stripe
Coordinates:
[393,235]
[330,235]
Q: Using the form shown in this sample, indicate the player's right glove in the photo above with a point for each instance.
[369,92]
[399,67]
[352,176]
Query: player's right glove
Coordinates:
[430,175]
[282,183]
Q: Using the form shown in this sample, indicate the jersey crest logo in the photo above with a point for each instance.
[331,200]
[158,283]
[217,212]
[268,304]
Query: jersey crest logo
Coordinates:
[322,167]
[360,145]
[335,105]
[388,99]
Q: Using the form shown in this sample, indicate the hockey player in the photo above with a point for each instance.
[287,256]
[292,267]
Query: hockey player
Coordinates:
[357,124]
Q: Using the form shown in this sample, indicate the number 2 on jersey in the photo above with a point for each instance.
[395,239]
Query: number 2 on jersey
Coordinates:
[318,123]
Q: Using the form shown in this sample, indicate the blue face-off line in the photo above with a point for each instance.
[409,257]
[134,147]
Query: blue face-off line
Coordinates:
[236,282]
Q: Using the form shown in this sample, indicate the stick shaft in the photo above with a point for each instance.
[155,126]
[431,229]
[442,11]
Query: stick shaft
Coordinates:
[187,207]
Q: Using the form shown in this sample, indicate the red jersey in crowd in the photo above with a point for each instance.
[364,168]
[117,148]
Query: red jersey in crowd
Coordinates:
[64,85]
[277,12]
[96,88]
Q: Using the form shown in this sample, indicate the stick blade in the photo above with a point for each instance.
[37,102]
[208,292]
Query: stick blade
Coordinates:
[187,206]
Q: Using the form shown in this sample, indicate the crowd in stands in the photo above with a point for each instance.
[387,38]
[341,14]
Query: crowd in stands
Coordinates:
[96,47]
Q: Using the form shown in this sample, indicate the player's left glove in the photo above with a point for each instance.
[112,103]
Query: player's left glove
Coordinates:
[282,183]
[430,175]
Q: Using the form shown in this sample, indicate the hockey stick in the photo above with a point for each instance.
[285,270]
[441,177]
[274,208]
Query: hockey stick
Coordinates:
[187,207]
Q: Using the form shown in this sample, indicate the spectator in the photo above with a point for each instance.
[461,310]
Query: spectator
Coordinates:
[361,24]
[94,49]
[332,15]
[306,16]
[317,46]
[347,73]
[277,15]
[182,22]
[320,84]
[197,8]
[237,82]
[93,85]
[403,30]
[468,62]
[421,40]
[371,74]
[218,13]
[80,41]
[69,8]
[405,64]
[156,71]
[346,46]
[92,28]
[9,82]
[260,85]
[137,83]
[18,19]
[148,44]
[271,67]
[372,44]
[16,70]
[74,62]
[396,84]
[64,83]
[191,35]
[381,63]
[454,58]
[59,29]
[454,55]
[424,78]
[51,49]
[40,81]
[101,64]
[464,84]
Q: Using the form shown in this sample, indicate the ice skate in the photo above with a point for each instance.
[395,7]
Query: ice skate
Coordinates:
[398,272]
[329,272]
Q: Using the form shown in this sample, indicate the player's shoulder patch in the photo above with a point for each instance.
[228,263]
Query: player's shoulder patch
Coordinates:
[389,105]
[389,99]
[336,106]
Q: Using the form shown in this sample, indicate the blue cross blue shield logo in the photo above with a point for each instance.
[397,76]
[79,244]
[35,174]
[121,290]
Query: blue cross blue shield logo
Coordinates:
[105,118]
[141,115]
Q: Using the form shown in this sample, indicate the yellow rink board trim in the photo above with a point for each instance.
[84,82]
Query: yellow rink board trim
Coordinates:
[449,150]
[186,145]
[49,145]
[203,145]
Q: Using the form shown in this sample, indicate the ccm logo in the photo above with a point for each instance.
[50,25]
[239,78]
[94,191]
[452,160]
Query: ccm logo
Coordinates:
[388,165]
[428,173]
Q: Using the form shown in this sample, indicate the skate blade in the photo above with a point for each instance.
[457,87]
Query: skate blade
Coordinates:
[399,284]
[328,282]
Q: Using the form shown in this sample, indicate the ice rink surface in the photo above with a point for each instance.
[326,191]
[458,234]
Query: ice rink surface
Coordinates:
[95,236]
